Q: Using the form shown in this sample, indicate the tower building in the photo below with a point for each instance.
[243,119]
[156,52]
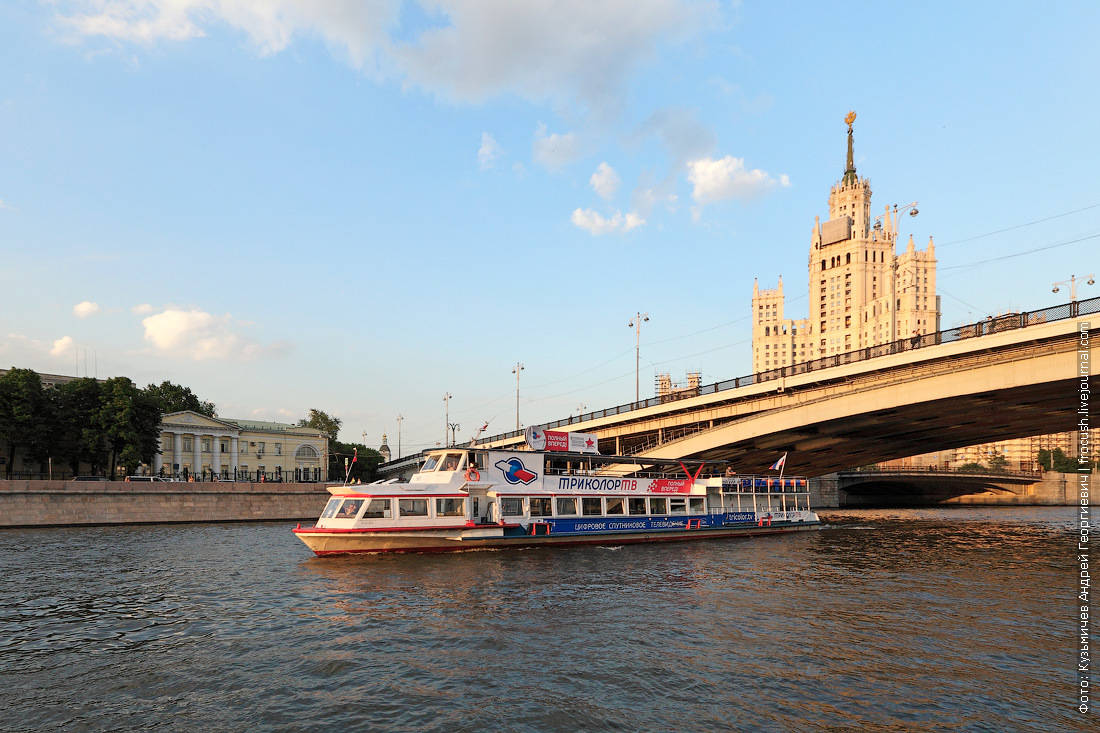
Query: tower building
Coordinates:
[862,292]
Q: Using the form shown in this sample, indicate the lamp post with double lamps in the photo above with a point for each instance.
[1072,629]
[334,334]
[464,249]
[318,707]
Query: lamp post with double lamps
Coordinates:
[636,324]
[895,217]
[516,370]
[1072,283]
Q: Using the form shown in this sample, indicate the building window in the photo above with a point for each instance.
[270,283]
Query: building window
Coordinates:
[187,444]
[278,449]
[206,445]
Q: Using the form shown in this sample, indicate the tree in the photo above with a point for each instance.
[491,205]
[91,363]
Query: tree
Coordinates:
[25,416]
[997,462]
[1062,463]
[130,421]
[365,468]
[322,421]
[176,398]
[1044,459]
[79,439]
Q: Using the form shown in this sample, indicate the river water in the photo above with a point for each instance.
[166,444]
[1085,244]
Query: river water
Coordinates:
[914,620]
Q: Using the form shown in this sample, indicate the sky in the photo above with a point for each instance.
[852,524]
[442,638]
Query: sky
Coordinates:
[364,206]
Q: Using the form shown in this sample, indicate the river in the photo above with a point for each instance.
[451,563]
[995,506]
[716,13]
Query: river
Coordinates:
[914,619]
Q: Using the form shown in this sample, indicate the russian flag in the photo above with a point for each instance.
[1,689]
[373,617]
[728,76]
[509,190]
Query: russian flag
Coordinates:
[780,463]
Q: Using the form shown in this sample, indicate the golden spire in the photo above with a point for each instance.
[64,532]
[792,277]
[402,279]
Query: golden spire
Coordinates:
[850,171]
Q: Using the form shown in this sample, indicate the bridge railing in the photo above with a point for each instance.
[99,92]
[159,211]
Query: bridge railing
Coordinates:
[990,325]
[938,471]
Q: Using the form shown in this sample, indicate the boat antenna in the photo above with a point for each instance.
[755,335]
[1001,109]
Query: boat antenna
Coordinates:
[473,440]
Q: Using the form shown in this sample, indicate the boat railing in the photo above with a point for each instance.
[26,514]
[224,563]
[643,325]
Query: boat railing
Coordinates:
[765,485]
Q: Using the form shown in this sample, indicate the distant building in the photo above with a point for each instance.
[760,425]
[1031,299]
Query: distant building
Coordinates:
[861,292]
[193,443]
[384,449]
[667,390]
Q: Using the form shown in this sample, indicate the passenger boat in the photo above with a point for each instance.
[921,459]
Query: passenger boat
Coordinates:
[473,499]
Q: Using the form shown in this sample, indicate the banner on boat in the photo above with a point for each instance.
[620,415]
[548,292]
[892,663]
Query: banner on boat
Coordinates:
[556,440]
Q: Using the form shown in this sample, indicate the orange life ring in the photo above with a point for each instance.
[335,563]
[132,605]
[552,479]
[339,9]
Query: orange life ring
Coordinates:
[472,474]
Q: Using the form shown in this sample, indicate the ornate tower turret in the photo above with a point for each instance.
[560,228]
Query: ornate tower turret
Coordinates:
[384,449]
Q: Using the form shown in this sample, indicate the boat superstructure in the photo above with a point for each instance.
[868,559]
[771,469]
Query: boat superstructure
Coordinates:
[470,498]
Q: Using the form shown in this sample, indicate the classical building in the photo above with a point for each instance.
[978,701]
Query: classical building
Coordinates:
[193,443]
[862,293]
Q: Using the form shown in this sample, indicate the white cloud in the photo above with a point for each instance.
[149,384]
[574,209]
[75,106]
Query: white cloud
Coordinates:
[574,50]
[488,152]
[198,335]
[554,151]
[87,309]
[605,181]
[142,309]
[4,206]
[62,346]
[727,178]
[595,224]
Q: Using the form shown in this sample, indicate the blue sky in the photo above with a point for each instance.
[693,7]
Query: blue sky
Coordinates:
[362,206]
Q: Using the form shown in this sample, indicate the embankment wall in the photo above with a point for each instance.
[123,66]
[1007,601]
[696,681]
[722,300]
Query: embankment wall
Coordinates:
[68,503]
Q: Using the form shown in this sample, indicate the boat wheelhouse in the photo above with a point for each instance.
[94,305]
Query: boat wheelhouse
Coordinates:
[469,498]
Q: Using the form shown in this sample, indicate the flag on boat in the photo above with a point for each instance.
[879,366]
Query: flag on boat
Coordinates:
[356,457]
[780,463]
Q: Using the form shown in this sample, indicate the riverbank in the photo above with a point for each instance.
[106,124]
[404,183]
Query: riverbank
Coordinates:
[72,503]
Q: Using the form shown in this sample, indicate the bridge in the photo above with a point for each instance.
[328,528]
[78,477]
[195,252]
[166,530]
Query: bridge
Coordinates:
[1007,377]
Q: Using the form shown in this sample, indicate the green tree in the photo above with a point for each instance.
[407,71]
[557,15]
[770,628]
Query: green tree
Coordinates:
[176,398]
[79,438]
[130,421]
[25,416]
[1044,459]
[1062,463]
[365,468]
[324,422]
[972,468]
[997,462]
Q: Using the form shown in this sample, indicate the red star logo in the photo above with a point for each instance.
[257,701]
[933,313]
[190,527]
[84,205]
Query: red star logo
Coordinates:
[588,443]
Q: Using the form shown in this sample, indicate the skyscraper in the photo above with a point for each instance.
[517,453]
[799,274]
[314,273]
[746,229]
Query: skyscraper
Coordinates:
[862,292]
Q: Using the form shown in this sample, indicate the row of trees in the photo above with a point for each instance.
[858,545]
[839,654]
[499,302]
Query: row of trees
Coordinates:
[112,424]
[101,424]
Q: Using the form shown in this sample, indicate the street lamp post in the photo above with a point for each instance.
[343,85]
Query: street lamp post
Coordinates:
[446,416]
[895,217]
[1073,282]
[636,324]
[454,426]
[516,370]
[399,419]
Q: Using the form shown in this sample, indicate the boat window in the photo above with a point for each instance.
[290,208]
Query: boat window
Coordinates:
[449,507]
[658,505]
[637,505]
[413,507]
[567,507]
[431,463]
[330,508]
[696,504]
[512,507]
[677,505]
[540,506]
[450,463]
[349,509]
[615,505]
[591,506]
[377,509]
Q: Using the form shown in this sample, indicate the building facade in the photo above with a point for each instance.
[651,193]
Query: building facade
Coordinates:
[194,444]
[861,291]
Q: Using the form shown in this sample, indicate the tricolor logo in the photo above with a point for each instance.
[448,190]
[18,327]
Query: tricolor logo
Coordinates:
[514,471]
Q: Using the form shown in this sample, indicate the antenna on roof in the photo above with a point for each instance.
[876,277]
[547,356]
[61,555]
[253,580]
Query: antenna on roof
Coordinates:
[473,440]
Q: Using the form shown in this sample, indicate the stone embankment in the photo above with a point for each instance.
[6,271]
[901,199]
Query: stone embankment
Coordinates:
[69,503]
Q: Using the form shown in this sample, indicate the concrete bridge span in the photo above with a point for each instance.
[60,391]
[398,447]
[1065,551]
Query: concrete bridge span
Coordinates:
[1003,385]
